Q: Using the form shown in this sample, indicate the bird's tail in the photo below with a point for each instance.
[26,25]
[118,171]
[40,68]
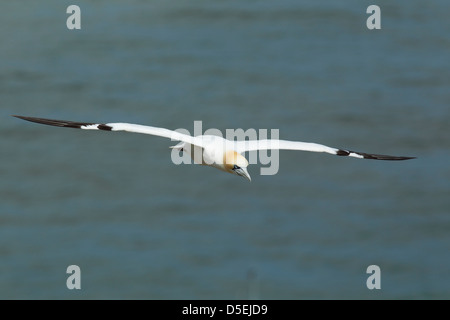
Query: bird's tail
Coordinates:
[179,146]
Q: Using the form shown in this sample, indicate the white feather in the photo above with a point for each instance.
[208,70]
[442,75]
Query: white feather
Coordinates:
[155,131]
[253,145]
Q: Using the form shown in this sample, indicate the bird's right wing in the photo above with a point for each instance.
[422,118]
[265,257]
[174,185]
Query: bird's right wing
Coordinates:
[128,127]
[273,144]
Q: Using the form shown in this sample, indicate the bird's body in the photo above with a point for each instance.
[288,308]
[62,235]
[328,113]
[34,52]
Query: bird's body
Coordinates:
[214,151]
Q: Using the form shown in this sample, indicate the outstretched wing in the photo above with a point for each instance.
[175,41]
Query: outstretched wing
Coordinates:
[129,127]
[253,145]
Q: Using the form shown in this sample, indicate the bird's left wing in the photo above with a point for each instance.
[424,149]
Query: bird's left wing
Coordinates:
[268,144]
[129,127]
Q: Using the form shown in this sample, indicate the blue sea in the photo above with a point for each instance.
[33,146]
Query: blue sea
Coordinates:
[140,227]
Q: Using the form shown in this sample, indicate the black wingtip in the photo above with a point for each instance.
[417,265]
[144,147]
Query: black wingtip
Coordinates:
[52,122]
[65,123]
[363,155]
[384,157]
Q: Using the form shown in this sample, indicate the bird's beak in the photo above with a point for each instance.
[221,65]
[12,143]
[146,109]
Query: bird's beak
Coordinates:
[243,173]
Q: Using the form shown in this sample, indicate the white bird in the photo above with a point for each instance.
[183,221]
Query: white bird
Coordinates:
[214,151]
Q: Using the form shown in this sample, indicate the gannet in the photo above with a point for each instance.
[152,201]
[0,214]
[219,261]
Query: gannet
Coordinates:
[215,151]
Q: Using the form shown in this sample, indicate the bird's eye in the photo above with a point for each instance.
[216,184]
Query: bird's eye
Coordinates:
[236,167]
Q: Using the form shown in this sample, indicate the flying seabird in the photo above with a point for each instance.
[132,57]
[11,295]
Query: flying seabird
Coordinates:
[214,151]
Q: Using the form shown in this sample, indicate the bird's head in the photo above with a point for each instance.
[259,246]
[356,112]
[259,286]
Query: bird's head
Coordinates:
[236,164]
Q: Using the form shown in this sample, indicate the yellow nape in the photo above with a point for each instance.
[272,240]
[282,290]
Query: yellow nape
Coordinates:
[232,158]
